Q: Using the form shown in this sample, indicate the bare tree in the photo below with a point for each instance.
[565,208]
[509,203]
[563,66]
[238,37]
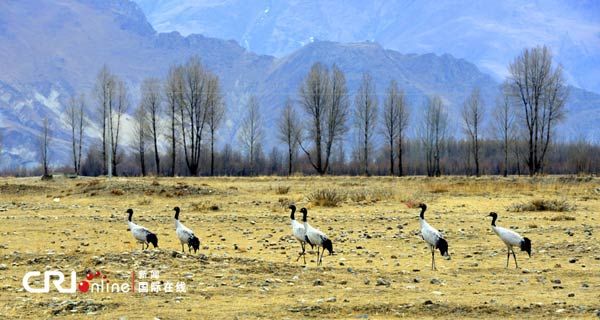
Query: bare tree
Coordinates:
[105,93]
[403,117]
[472,116]
[193,110]
[324,98]
[365,117]
[76,121]
[173,93]
[434,133]
[390,119]
[151,101]
[115,115]
[395,122]
[539,89]
[140,129]
[289,131]
[45,139]
[216,112]
[503,124]
[251,133]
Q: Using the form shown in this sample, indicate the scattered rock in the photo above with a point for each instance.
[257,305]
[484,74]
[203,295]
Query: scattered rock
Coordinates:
[318,282]
[556,281]
[569,232]
[573,260]
[3,267]
[435,281]
[383,282]
[428,302]
[571,295]
[331,299]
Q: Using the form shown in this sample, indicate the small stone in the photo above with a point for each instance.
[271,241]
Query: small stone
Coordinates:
[3,267]
[318,282]
[569,232]
[428,302]
[573,260]
[417,280]
[556,281]
[367,281]
[383,282]
[435,281]
[560,310]
[571,295]
[331,299]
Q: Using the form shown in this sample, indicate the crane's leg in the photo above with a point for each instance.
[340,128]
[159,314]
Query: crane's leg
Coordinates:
[514,256]
[301,253]
[318,256]
[321,258]
[433,258]
[507,256]
[182,248]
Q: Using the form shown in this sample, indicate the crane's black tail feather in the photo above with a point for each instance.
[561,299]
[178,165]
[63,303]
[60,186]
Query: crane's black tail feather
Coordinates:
[194,242]
[526,246]
[442,244]
[152,238]
[327,244]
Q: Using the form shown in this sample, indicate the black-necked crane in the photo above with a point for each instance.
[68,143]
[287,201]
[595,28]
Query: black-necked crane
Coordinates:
[510,239]
[185,235]
[433,237]
[141,234]
[316,237]
[298,232]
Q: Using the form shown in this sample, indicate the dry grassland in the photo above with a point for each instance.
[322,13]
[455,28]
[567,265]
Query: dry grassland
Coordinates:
[247,266]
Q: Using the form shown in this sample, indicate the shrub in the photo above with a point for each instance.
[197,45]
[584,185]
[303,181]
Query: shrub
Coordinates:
[371,195]
[117,192]
[541,205]
[562,217]
[282,189]
[326,197]
[204,206]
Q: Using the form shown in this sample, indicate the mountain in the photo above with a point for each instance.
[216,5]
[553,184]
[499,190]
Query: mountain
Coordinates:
[50,50]
[489,33]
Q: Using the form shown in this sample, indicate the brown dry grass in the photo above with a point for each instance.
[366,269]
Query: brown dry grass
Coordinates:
[247,266]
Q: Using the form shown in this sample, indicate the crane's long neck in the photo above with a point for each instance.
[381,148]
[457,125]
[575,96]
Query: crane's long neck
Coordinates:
[422,215]
[177,223]
[129,218]
[292,214]
[494,220]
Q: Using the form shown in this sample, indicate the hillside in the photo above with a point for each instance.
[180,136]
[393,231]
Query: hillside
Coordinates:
[49,50]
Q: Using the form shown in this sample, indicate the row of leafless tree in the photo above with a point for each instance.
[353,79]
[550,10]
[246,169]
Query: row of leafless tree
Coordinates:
[189,106]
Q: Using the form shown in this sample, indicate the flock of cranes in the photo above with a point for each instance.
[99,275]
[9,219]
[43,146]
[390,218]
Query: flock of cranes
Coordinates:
[308,235]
